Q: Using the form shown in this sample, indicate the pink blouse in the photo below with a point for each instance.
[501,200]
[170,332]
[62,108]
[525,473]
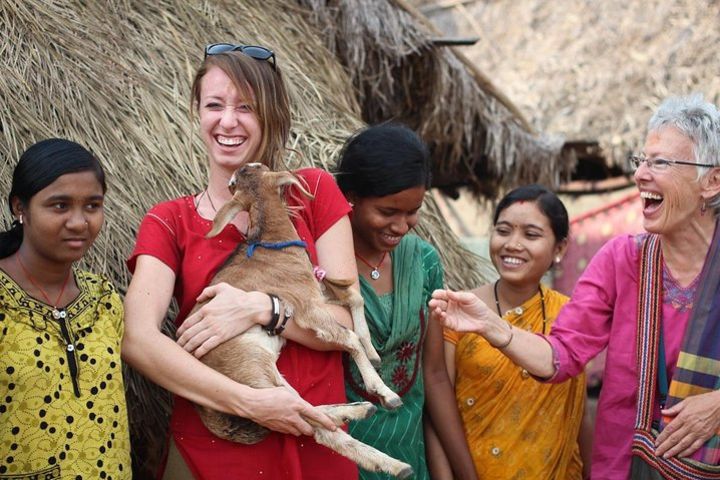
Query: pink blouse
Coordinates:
[602,313]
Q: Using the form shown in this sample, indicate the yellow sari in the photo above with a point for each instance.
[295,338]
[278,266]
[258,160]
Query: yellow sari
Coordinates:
[517,427]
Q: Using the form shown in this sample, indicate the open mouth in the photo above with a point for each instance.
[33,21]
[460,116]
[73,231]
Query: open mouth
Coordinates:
[391,239]
[651,201]
[225,141]
[511,261]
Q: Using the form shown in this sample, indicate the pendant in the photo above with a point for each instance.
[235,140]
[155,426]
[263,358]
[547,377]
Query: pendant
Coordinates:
[58,314]
[375,274]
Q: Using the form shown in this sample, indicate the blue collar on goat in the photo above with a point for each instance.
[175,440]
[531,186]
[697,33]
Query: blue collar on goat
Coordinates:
[274,245]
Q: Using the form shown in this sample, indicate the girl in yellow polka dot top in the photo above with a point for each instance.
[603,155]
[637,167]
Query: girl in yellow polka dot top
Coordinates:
[62,407]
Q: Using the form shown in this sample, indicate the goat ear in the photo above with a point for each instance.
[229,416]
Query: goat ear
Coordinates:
[288,178]
[225,215]
[255,220]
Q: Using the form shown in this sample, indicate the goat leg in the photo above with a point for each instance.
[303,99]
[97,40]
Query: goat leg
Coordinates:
[344,295]
[364,455]
[332,332]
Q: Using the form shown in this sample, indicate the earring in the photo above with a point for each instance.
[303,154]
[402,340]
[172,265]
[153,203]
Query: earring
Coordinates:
[558,259]
[703,208]
[20,220]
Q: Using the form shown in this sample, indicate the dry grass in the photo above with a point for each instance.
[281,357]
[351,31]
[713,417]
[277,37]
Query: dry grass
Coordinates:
[475,137]
[592,69]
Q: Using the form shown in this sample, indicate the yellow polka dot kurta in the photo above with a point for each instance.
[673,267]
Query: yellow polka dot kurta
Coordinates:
[62,399]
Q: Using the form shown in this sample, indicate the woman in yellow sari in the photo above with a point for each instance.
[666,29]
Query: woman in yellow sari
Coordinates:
[516,427]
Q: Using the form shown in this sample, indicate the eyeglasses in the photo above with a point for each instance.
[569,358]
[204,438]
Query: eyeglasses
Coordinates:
[254,51]
[661,164]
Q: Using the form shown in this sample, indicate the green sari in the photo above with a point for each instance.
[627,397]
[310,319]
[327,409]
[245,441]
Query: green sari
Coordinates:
[398,322]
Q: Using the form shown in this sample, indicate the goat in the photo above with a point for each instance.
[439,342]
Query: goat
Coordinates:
[250,358]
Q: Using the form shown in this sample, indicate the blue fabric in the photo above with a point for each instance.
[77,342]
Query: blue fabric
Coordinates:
[274,245]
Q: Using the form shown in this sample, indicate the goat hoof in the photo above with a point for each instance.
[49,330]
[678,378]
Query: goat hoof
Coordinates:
[405,472]
[392,403]
[370,411]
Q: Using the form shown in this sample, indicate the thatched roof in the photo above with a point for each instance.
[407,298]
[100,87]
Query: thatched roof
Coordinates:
[115,77]
[588,69]
[477,137]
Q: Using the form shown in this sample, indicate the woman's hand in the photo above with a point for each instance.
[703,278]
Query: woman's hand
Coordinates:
[696,419]
[228,312]
[282,410]
[465,312]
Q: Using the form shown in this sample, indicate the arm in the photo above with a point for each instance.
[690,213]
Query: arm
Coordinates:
[442,408]
[437,462]
[230,311]
[164,362]
[336,256]
[465,312]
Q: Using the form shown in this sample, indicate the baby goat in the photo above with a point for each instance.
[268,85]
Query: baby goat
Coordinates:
[287,273]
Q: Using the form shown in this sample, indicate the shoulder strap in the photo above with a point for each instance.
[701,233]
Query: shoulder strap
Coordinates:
[649,315]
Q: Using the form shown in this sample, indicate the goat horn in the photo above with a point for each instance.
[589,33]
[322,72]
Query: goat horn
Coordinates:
[288,178]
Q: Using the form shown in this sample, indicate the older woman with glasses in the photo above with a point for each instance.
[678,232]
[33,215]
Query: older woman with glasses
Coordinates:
[244,116]
[654,301]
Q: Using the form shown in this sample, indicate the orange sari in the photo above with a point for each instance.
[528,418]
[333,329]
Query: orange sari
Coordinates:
[517,427]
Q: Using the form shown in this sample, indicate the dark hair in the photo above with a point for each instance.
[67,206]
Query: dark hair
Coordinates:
[39,166]
[548,203]
[382,160]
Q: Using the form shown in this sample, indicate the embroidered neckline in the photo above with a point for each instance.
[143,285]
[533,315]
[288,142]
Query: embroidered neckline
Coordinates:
[680,298]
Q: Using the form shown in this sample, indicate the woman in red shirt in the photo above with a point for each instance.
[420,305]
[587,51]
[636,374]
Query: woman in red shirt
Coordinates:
[244,115]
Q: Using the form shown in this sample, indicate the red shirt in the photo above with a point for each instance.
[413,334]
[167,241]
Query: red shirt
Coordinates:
[174,233]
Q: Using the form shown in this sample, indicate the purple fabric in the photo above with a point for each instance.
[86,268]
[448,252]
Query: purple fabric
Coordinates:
[602,313]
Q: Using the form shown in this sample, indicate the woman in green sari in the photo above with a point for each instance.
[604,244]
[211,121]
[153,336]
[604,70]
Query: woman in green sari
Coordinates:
[384,172]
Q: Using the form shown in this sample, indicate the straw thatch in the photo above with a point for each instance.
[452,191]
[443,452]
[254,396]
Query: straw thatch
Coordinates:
[477,137]
[115,77]
[588,69]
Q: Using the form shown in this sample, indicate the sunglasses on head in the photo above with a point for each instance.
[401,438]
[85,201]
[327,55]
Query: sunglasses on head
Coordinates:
[254,51]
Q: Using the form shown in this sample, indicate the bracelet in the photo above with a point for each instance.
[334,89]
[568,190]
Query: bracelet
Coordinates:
[275,315]
[504,345]
[287,313]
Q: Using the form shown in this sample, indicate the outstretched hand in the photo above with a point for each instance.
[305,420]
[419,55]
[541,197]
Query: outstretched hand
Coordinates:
[695,420]
[228,312]
[460,311]
[282,410]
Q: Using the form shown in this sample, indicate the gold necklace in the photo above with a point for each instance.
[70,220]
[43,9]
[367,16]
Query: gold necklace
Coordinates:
[519,311]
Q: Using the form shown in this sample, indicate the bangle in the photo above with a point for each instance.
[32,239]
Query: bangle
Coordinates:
[274,316]
[504,345]
[287,313]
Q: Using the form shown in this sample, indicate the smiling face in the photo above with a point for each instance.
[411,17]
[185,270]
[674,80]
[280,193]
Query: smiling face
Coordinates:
[229,125]
[379,223]
[61,221]
[672,197]
[522,244]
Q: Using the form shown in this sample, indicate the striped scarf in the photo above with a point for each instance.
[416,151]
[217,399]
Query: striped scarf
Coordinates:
[697,370]
[698,366]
